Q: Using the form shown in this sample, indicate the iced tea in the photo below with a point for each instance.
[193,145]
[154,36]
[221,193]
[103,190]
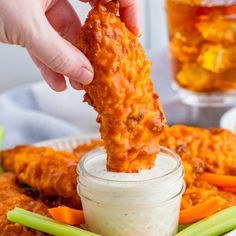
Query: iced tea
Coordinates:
[203,44]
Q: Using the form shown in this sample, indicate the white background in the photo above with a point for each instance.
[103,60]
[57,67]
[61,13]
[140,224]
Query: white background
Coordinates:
[16,67]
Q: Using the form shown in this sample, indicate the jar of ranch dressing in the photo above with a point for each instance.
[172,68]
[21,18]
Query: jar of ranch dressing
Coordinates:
[131,204]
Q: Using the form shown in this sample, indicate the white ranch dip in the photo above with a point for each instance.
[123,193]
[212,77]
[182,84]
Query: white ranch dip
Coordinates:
[131,204]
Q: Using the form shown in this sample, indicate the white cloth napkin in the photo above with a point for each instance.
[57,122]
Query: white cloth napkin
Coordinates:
[34,113]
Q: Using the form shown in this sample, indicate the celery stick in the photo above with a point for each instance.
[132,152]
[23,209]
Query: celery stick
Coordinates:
[214,225]
[2,134]
[29,213]
[182,227]
[45,224]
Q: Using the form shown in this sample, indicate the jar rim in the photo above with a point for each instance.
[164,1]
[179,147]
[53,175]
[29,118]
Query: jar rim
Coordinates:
[100,151]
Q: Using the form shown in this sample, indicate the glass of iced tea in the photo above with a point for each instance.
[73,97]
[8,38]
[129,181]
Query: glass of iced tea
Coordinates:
[203,50]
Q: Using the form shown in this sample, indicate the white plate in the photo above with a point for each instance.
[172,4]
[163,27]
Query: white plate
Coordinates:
[69,143]
[228,120]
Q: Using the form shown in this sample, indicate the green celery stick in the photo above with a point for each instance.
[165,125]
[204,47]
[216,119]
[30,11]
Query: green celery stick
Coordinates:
[44,224]
[2,134]
[29,213]
[182,227]
[214,225]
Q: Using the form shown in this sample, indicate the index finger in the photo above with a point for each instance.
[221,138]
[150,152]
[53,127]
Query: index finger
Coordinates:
[129,14]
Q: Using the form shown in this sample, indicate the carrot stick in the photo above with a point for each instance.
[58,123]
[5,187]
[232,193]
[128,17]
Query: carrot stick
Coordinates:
[185,204]
[67,215]
[202,210]
[229,189]
[219,180]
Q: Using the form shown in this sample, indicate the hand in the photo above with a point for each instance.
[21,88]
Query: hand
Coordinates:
[49,29]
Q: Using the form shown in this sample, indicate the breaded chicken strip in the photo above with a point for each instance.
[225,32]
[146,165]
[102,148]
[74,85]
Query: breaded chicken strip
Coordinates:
[122,93]
[8,157]
[52,173]
[12,196]
[201,191]
[200,149]
[212,150]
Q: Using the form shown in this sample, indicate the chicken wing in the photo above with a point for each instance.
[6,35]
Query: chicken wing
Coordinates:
[12,196]
[122,93]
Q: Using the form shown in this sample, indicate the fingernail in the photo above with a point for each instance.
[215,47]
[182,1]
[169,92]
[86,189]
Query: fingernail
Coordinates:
[85,76]
[76,85]
[93,3]
[136,31]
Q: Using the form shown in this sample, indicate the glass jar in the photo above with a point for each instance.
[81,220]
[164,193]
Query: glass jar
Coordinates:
[203,50]
[131,204]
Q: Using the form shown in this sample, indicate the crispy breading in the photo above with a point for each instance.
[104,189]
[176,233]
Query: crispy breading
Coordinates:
[201,191]
[122,93]
[200,149]
[220,155]
[12,196]
[52,173]
[82,149]
[7,157]
[215,148]
[187,142]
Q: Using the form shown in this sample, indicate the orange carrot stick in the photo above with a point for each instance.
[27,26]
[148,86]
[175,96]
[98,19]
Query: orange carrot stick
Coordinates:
[202,210]
[185,204]
[229,189]
[67,215]
[219,180]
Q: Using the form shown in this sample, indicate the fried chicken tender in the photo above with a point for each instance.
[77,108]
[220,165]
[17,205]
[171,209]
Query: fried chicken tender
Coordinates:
[84,148]
[7,157]
[12,196]
[212,150]
[122,93]
[201,191]
[186,142]
[52,173]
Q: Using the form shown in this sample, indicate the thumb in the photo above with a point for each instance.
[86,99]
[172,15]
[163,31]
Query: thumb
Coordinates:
[59,55]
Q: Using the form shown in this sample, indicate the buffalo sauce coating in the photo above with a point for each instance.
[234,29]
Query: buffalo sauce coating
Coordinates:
[129,110]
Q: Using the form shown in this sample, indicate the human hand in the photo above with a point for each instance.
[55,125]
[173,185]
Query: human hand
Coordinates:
[49,29]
